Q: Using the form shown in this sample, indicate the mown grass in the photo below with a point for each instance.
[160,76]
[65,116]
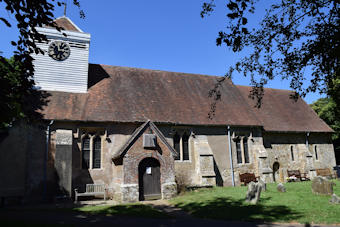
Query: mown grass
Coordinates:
[298,204]
[135,210]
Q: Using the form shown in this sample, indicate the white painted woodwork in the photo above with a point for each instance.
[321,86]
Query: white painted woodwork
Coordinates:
[69,75]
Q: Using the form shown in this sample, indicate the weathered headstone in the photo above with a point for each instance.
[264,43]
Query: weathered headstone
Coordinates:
[263,185]
[253,193]
[281,188]
[321,185]
[335,199]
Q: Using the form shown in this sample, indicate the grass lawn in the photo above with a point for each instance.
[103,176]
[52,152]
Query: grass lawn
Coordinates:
[136,210]
[298,204]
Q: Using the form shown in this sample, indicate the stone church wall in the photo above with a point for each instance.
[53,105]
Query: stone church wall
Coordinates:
[254,141]
[280,147]
[212,141]
[24,148]
[113,136]
[325,150]
[22,158]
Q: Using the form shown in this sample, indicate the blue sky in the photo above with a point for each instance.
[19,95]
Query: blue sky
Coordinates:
[165,35]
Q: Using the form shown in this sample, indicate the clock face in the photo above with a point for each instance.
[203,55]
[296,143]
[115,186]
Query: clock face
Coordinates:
[59,50]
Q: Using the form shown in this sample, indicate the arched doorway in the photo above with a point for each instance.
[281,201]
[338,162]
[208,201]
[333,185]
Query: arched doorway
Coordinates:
[149,179]
[276,167]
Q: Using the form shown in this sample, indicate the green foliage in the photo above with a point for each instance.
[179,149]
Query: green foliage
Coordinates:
[19,99]
[328,111]
[298,204]
[293,36]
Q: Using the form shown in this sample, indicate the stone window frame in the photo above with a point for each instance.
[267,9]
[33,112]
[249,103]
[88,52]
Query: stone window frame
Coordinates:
[241,138]
[180,132]
[92,134]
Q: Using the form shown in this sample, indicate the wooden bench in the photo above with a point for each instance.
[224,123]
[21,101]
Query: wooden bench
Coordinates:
[91,190]
[297,174]
[325,173]
[246,178]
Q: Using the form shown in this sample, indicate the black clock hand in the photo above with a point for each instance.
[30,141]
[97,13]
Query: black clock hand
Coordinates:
[56,51]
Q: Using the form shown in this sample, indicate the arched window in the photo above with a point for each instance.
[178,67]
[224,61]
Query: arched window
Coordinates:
[245,148]
[292,152]
[185,146]
[316,152]
[176,146]
[85,150]
[238,151]
[96,159]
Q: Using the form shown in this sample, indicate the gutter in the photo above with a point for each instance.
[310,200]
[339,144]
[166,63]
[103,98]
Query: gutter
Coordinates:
[231,158]
[48,133]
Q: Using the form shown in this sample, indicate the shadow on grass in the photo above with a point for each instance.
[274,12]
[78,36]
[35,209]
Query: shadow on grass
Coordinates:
[230,209]
[135,210]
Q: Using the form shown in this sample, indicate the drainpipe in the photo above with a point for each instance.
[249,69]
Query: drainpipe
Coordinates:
[48,132]
[231,158]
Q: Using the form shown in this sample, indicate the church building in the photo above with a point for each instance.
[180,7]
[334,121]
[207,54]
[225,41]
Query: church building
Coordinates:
[146,133]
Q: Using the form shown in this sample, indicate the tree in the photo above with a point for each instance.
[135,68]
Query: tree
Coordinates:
[294,35]
[18,97]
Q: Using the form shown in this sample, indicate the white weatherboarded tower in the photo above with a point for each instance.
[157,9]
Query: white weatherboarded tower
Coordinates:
[64,66]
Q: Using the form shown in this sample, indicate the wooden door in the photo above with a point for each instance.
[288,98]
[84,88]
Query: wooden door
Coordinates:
[276,167]
[149,179]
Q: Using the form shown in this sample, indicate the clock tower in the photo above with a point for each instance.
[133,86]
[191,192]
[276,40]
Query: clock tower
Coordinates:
[64,66]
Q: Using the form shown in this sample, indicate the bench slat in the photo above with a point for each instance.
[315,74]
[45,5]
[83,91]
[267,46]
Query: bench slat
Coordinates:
[91,189]
[324,172]
[246,178]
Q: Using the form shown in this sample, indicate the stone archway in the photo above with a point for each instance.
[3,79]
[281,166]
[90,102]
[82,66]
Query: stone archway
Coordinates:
[149,179]
[276,174]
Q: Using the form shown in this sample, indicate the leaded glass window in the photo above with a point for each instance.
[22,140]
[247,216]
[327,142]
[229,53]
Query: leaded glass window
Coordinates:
[177,146]
[292,152]
[316,152]
[86,152]
[245,148]
[96,159]
[185,146]
[238,151]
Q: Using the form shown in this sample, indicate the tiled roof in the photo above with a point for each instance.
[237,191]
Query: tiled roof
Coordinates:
[122,94]
[66,24]
[279,112]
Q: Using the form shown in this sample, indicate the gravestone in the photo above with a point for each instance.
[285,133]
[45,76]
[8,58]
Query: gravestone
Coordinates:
[253,193]
[263,185]
[335,199]
[321,185]
[281,188]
